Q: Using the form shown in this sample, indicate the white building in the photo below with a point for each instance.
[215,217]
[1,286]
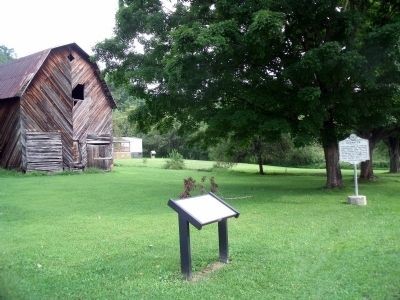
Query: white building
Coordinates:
[128,147]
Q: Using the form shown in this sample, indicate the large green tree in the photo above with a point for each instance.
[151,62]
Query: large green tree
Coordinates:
[381,89]
[248,68]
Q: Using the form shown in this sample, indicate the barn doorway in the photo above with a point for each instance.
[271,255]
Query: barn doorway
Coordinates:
[99,151]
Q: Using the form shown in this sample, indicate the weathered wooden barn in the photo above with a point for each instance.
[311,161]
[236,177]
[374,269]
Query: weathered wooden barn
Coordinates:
[55,112]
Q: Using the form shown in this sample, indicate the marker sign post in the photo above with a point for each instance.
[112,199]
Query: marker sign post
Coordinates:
[354,150]
[200,211]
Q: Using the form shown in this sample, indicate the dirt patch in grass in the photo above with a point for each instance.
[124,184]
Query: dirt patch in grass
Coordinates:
[207,271]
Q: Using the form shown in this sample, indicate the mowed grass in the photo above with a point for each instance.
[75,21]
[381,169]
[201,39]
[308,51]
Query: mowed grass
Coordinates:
[112,236]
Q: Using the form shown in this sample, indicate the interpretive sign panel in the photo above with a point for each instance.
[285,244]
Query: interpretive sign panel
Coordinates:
[200,211]
[205,209]
[354,150]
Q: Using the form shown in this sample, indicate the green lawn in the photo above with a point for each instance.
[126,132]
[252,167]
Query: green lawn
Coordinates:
[112,236]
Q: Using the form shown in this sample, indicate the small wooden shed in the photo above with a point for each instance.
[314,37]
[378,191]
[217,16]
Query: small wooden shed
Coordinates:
[55,112]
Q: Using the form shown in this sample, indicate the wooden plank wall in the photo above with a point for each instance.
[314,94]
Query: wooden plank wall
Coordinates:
[93,115]
[47,105]
[100,115]
[99,156]
[43,151]
[80,121]
[10,146]
[101,139]
[99,151]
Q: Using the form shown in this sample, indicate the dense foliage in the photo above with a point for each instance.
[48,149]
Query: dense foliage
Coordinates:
[175,161]
[6,54]
[281,152]
[256,69]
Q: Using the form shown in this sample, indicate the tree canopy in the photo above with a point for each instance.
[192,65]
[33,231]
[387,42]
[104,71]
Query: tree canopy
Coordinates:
[258,68]
[6,54]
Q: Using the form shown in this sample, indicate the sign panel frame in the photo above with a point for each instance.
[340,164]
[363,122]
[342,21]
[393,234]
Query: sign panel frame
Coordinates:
[193,211]
[354,150]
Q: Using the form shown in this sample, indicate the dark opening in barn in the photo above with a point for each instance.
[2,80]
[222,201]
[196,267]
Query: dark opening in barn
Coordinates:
[78,93]
[71,57]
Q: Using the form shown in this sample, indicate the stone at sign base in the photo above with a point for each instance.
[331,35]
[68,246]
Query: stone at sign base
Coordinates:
[357,200]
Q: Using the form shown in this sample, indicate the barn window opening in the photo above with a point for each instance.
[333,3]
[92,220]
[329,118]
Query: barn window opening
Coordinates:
[71,57]
[78,92]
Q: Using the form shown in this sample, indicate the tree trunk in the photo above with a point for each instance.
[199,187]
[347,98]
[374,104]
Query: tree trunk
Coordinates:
[258,148]
[260,164]
[366,169]
[394,154]
[333,172]
[331,151]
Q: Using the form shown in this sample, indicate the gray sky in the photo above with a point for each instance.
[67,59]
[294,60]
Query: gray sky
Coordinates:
[29,26]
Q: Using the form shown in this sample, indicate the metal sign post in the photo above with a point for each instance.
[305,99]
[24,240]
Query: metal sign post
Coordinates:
[223,241]
[354,150]
[200,211]
[355,179]
[184,243]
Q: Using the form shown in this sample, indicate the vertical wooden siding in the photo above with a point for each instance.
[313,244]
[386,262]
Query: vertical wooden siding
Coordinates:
[93,115]
[10,146]
[99,151]
[80,116]
[99,156]
[47,105]
[100,115]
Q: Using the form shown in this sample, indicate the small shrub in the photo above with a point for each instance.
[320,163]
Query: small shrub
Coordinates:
[306,156]
[189,186]
[223,165]
[213,185]
[201,185]
[175,161]
[223,154]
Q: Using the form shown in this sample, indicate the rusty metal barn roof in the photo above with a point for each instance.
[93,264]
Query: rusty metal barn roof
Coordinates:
[16,75]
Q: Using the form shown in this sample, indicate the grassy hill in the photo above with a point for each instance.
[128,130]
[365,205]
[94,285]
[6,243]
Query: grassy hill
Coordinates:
[112,236]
